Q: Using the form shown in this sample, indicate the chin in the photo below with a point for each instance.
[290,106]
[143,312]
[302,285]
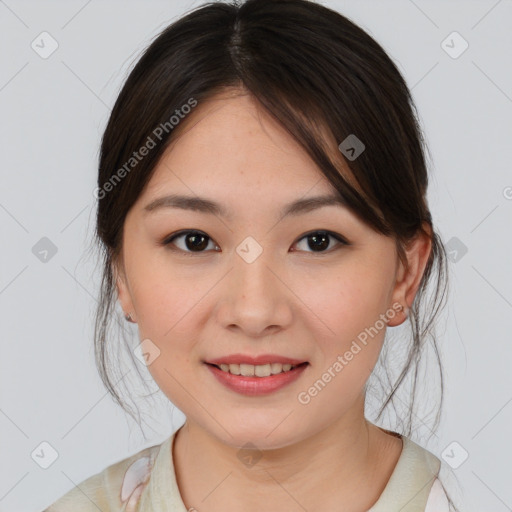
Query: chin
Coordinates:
[257,434]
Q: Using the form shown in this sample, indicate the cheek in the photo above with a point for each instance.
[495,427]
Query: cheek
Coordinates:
[347,299]
[167,315]
[164,294]
[171,313]
[345,322]
[345,313]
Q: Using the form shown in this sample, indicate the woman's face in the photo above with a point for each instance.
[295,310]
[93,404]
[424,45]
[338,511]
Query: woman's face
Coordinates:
[253,283]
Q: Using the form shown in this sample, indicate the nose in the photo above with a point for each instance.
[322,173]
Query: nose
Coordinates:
[254,297]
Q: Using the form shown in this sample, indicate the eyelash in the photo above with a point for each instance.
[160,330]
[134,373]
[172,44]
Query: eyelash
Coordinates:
[170,239]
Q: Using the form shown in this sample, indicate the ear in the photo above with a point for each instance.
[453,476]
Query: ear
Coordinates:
[123,292]
[408,279]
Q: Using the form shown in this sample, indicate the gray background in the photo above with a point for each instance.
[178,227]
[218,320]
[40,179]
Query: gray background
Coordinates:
[53,112]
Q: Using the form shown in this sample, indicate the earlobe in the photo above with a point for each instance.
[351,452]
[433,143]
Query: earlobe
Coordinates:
[409,278]
[400,316]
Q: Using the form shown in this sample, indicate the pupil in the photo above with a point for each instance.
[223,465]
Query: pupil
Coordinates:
[198,241]
[322,241]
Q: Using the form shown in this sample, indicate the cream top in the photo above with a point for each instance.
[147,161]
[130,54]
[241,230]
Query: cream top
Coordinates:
[146,482]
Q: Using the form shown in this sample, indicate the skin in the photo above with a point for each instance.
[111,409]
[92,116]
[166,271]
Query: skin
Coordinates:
[291,301]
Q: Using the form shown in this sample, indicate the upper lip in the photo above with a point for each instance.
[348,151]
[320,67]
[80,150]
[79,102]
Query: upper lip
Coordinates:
[255,360]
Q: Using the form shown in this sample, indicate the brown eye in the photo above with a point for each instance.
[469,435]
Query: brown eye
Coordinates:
[320,241]
[192,241]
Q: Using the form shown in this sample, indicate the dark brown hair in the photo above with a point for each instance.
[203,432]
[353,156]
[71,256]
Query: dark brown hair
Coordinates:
[322,78]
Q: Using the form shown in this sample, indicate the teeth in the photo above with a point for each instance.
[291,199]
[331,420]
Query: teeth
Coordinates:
[261,370]
[247,370]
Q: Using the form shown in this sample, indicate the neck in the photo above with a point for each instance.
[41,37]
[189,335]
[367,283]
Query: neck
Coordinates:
[348,462]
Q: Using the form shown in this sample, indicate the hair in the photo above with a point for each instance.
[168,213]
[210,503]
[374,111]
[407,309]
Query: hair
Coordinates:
[322,78]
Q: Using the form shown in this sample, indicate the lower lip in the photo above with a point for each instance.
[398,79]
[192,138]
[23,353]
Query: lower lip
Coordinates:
[254,386]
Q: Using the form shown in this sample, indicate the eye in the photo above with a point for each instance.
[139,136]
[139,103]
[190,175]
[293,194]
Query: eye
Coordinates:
[319,240]
[197,241]
[194,241]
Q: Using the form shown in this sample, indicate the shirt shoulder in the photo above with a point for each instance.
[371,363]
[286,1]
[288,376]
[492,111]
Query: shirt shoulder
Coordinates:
[115,489]
[411,481]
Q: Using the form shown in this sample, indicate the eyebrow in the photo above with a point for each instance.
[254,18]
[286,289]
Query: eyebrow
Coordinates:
[204,205]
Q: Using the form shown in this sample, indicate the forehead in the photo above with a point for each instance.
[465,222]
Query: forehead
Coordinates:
[230,141]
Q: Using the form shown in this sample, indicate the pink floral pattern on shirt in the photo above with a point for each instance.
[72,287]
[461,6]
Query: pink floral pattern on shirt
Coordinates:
[134,482]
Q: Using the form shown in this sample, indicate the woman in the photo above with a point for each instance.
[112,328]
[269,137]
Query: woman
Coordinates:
[262,209]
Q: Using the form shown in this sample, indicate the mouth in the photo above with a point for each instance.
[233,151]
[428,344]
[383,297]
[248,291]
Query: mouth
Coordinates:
[256,379]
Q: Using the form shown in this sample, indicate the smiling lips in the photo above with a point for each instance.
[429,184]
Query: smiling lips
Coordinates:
[256,375]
